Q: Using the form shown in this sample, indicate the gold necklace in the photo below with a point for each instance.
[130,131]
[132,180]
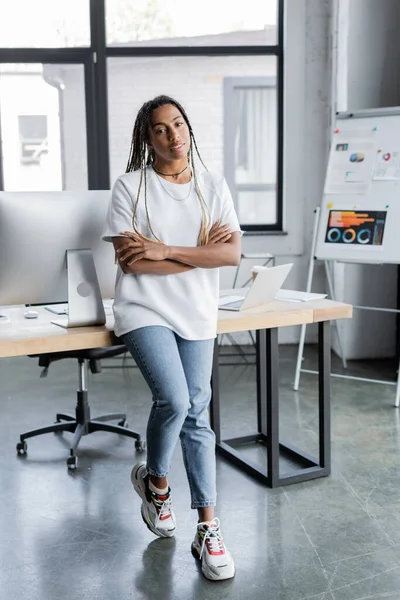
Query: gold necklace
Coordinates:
[174,197]
[170,174]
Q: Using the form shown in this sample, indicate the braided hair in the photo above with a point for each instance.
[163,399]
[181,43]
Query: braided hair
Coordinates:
[140,157]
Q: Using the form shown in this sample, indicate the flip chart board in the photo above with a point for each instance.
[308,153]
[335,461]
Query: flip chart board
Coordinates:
[360,210]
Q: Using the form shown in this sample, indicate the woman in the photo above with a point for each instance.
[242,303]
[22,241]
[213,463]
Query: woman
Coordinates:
[172,226]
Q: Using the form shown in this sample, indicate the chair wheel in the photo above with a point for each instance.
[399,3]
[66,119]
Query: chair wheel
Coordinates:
[22,448]
[72,463]
[140,446]
[123,423]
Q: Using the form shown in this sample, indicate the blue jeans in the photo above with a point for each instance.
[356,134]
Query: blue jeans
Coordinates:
[178,372]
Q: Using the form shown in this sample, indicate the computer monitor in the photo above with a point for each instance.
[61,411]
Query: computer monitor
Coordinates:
[36,231]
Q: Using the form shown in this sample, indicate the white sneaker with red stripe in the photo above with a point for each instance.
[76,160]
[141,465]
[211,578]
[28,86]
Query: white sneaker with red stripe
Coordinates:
[208,546]
[157,511]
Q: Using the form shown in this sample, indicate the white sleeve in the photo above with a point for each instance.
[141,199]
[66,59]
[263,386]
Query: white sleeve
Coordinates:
[120,212]
[228,212]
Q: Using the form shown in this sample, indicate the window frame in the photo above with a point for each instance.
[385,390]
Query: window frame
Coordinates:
[94,59]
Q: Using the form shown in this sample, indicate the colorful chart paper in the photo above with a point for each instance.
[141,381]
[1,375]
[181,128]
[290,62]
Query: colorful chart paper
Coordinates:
[357,227]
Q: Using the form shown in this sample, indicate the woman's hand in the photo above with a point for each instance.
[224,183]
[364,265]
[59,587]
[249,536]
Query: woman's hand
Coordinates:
[136,247]
[219,233]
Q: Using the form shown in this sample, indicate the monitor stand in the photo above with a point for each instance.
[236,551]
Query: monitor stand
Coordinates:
[85,304]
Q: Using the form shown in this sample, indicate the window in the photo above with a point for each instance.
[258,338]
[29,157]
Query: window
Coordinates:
[73,73]
[250,147]
[227,70]
[44,23]
[180,23]
[42,127]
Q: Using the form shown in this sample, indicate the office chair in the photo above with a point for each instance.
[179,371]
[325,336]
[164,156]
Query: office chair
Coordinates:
[82,424]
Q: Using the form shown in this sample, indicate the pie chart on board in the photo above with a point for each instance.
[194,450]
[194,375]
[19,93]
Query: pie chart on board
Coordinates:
[357,157]
[387,156]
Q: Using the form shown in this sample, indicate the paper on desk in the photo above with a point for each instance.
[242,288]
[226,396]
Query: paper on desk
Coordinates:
[228,300]
[296,296]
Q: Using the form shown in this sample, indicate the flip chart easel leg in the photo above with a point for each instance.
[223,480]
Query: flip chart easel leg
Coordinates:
[299,358]
[308,290]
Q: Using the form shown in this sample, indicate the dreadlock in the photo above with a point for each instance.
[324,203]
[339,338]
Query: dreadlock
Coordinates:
[140,157]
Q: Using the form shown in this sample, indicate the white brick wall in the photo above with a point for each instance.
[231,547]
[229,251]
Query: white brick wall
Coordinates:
[196,82]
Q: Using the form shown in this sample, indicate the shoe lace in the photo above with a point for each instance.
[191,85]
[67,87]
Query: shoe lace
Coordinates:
[211,536]
[164,508]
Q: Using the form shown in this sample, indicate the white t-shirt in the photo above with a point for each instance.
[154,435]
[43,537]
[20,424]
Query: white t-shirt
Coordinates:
[185,302]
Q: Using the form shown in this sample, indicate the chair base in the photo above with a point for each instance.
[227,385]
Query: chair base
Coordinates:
[79,427]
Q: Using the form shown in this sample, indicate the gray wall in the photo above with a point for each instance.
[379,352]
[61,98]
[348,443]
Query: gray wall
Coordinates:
[369,42]
[373,53]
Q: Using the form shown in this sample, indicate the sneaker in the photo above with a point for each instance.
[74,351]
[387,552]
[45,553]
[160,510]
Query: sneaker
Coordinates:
[157,511]
[208,546]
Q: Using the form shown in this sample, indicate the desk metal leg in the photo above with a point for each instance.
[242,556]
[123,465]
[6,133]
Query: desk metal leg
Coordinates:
[261,361]
[272,441]
[324,384]
[307,467]
[215,418]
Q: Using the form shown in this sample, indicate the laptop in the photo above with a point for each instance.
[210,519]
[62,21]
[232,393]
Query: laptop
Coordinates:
[263,290]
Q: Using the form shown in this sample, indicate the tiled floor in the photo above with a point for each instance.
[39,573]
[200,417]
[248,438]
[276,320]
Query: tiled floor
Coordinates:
[81,537]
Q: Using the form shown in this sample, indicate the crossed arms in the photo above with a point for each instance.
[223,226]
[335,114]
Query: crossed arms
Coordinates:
[140,256]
